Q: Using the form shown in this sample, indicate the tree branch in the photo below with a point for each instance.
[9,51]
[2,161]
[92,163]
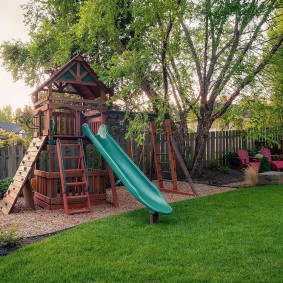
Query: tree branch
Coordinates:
[248,79]
[195,56]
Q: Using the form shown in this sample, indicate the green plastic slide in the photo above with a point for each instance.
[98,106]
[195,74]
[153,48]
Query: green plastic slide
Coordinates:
[131,176]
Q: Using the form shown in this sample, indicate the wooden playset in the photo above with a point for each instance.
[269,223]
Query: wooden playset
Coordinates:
[70,97]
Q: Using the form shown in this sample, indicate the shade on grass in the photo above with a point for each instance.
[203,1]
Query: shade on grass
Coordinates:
[231,237]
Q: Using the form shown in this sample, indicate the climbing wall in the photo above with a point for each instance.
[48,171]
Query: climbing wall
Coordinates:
[22,175]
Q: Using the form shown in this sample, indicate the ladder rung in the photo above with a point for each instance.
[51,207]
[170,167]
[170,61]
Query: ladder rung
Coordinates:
[74,170]
[70,144]
[166,172]
[163,153]
[71,157]
[75,184]
[76,211]
[161,162]
[77,197]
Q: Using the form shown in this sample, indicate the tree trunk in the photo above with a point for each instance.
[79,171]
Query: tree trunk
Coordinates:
[200,144]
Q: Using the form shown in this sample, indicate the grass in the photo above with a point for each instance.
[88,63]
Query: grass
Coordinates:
[231,237]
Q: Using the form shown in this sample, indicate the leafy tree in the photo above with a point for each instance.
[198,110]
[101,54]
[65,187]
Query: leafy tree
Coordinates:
[11,139]
[22,117]
[274,73]
[180,56]
[6,114]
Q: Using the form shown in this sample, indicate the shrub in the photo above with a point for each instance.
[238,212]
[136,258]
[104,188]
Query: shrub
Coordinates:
[224,168]
[213,164]
[9,234]
[251,175]
[4,184]
[264,165]
[231,159]
[12,139]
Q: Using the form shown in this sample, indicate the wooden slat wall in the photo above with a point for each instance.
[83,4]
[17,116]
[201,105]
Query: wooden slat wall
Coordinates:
[10,158]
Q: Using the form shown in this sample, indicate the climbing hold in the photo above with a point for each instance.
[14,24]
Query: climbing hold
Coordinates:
[25,168]
[23,161]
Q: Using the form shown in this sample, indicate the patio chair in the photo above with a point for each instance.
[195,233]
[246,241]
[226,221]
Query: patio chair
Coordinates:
[276,164]
[245,159]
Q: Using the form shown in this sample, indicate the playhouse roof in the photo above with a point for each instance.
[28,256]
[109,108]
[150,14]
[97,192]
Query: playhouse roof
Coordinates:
[75,77]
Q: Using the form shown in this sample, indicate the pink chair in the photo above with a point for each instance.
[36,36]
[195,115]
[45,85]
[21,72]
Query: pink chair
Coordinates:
[276,164]
[245,159]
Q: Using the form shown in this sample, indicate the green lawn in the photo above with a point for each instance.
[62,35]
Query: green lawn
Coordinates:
[231,237]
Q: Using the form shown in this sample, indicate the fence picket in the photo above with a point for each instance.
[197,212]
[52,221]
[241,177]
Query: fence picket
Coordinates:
[219,143]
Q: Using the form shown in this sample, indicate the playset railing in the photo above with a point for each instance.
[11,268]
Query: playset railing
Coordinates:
[63,117]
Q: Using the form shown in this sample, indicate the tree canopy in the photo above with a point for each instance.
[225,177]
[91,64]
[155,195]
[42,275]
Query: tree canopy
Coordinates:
[179,56]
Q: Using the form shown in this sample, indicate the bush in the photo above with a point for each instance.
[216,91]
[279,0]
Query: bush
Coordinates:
[9,235]
[12,139]
[264,165]
[4,184]
[213,164]
[231,159]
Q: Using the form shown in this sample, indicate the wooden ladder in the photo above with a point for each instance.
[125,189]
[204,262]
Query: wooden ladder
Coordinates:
[21,177]
[172,152]
[169,152]
[74,191]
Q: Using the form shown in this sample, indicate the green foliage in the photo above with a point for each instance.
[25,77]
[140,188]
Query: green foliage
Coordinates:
[181,56]
[22,117]
[264,165]
[224,168]
[6,114]
[9,235]
[4,185]
[137,127]
[93,157]
[252,151]
[206,238]
[231,159]
[213,164]
[12,139]
[43,160]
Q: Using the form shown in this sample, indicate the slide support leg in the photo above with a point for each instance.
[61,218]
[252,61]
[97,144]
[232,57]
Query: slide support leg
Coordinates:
[154,218]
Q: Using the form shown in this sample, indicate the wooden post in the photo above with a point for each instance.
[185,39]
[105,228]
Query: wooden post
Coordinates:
[28,197]
[183,165]
[154,218]
[113,187]
[171,154]
[156,154]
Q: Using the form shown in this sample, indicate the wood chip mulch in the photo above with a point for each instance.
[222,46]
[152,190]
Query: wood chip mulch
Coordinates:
[33,223]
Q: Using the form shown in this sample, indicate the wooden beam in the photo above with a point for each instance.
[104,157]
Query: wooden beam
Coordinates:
[183,165]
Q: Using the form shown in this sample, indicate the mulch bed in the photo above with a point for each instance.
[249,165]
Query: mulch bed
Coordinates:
[211,182]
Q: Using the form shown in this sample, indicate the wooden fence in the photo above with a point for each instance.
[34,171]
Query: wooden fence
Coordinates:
[10,158]
[219,143]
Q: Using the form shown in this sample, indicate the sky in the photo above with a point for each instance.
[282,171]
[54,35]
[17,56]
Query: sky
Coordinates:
[12,27]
